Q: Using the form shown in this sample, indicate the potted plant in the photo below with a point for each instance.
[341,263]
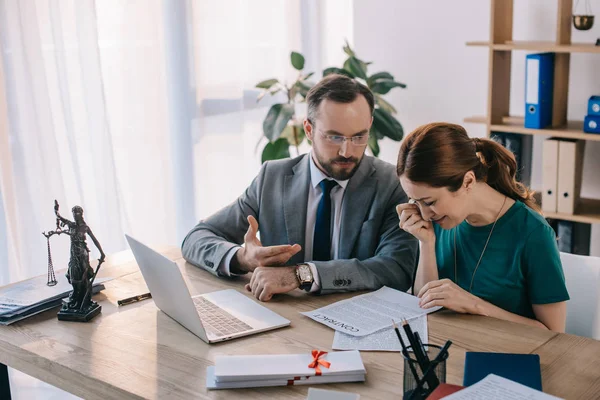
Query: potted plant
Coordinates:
[283,129]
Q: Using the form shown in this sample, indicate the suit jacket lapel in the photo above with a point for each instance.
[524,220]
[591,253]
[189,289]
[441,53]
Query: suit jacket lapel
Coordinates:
[357,197]
[295,198]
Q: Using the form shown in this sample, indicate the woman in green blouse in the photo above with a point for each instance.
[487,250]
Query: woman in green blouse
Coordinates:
[485,248]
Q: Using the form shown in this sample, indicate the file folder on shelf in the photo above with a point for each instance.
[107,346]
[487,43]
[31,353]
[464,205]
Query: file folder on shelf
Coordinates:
[550,175]
[574,237]
[570,168]
[539,83]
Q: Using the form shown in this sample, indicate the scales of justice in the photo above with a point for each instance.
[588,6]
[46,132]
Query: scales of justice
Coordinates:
[79,306]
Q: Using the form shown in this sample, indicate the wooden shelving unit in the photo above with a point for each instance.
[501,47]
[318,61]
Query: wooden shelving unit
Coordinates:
[500,48]
[540,46]
[573,129]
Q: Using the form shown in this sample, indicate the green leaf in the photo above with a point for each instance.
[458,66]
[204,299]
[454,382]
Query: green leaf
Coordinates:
[374,146]
[348,50]
[267,84]
[276,120]
[375,133]
[297,60]
[384,86]
[380,75]
[356,67]
[334,70]
[382,103]
[305,77]
[288,134]
[387,125]
[276,150]
[302,88]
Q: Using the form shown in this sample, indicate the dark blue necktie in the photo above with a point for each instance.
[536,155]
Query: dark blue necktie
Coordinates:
[322,238]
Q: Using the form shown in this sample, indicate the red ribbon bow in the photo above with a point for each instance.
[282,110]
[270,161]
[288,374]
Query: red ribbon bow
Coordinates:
[316,361]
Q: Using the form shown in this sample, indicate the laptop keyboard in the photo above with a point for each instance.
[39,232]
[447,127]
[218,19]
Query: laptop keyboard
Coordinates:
[218,321]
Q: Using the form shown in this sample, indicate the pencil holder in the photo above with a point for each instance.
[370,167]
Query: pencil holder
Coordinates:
[413,389]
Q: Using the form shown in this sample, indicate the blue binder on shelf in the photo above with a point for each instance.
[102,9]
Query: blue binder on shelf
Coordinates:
[539,84]
[591,124]
[522,368]
[594,106]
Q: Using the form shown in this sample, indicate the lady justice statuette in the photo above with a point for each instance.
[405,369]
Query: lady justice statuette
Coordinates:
[79,306]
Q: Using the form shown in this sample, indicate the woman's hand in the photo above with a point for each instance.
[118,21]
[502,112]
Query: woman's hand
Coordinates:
[448,294]
[412,222]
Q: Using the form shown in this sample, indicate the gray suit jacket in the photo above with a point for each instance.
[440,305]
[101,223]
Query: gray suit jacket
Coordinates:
[373,250]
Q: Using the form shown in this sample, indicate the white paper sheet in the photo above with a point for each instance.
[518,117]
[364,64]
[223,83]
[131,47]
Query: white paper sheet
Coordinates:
[383,340]
[321,394]
[369,313]
[494,387]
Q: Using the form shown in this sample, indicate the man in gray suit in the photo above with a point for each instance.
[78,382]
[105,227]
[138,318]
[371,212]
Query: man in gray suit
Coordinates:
[327,219]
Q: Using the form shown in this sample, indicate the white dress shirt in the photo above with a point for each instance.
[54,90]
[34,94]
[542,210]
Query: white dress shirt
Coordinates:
[314,197]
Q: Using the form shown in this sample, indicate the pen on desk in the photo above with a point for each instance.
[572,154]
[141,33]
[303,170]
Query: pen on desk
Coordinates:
[405,351]
[134,299]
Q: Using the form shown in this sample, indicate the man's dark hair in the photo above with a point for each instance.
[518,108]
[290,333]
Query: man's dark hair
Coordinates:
[338,88]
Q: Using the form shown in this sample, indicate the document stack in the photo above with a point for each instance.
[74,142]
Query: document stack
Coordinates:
[310,368]
[26,298]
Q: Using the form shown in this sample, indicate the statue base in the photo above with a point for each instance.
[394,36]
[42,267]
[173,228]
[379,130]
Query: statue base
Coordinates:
[70,314]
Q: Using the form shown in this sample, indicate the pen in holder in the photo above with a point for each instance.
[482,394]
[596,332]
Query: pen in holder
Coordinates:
[419,390]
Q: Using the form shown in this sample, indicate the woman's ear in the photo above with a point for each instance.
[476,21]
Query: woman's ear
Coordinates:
[469,180]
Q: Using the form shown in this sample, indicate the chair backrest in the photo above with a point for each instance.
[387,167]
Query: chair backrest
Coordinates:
[582,274]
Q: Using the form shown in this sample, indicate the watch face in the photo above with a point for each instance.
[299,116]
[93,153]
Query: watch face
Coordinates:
[304,271]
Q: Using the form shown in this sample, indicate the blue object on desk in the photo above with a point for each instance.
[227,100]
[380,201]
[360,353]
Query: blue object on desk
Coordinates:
[591,124]
[521,368]
[539,83]
[594,105]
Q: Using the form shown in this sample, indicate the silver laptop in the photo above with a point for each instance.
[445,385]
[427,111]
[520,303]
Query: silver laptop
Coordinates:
[213,317]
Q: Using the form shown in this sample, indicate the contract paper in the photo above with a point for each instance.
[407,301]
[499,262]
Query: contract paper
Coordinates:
[368,313]
[383,340]
[494,387]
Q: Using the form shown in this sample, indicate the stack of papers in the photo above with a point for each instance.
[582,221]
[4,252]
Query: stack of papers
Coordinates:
[283,370]
[368,313]
[494,387]
[26,298]
[365,322]
[383,340]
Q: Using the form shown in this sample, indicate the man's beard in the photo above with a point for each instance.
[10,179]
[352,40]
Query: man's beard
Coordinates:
[340,175]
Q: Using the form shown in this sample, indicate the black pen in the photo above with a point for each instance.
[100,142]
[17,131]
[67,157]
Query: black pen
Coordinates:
[420,343]
[432,381]
[134,299]
[405,351]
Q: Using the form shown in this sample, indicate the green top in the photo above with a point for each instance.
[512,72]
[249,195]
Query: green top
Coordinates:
[521,265]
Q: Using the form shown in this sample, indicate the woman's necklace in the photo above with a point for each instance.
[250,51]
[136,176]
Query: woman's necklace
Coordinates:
[484,247]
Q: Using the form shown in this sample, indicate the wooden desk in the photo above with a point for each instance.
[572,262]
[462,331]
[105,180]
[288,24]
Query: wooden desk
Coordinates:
[136,351]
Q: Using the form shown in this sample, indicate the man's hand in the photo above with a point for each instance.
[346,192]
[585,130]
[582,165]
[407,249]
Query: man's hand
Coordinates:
[448,294]
[253,255]
[267,281]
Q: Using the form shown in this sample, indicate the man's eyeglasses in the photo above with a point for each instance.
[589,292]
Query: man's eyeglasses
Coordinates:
[337,140]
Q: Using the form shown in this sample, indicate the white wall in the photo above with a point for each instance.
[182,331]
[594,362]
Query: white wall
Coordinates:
[422,43]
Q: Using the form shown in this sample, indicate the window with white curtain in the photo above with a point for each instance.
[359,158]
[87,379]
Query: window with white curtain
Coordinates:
[142,111]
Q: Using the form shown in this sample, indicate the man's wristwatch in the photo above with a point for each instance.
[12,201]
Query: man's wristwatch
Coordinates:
[304,276]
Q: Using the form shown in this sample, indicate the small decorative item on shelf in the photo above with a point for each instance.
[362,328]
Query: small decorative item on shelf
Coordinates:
[583,22]
[591,123]
[80,306]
